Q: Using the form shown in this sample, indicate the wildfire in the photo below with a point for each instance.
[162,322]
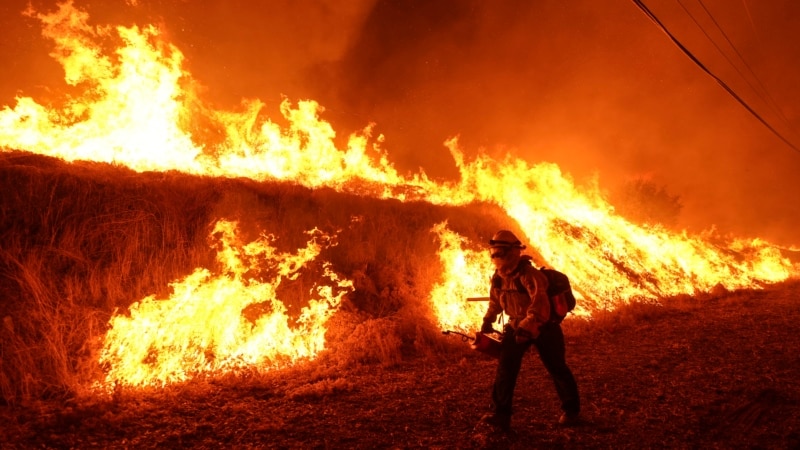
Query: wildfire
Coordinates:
[135,110]
[130,110]
[202,328]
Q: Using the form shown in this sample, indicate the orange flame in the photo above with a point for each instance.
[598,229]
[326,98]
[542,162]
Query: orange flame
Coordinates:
[130,110]
[136,107]
[202,328]
[466,275]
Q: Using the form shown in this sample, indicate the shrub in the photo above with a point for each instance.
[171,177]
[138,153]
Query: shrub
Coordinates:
[643,201]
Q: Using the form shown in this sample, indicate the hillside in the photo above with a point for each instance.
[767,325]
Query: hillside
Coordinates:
[84,242]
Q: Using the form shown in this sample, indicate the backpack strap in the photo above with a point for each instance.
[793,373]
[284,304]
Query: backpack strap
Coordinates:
[524,261]
[497,282]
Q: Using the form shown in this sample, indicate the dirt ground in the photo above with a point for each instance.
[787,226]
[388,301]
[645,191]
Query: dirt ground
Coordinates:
[719,372]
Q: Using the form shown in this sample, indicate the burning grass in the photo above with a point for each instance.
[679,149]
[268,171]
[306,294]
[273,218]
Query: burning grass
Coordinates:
[282,255]
[82,242]
[715,372]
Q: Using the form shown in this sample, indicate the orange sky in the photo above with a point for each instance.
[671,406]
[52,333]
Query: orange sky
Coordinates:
[593,86]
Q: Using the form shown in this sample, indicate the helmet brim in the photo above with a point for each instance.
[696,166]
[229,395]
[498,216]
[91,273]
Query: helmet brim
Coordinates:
[495,244]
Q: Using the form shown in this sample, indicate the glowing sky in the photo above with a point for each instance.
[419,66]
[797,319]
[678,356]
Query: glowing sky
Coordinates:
[594,86]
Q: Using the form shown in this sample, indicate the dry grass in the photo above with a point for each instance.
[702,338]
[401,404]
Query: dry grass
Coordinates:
[718,374]
[81,241]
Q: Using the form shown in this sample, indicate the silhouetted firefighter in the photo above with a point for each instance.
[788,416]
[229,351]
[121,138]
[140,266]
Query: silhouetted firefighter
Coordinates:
[520,290]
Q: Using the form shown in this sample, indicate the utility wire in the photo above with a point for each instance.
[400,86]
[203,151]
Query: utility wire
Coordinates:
[708,36]
[727,88]
[750,17]
[766,97]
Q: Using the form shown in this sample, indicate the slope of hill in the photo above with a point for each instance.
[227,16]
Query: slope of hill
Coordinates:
[83,241]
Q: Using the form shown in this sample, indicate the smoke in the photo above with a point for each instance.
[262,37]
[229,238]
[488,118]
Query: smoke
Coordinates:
[234,48]
[595,87]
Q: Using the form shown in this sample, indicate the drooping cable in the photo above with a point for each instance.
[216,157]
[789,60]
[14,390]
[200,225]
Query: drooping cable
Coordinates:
[763,92]
[750,18]
[722,83]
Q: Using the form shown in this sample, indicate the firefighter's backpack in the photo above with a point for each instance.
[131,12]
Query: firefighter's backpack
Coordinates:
[559,291]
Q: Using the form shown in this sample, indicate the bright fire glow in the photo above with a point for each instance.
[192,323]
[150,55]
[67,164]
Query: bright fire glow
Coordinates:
[203,327]
[466,276]
[136,108]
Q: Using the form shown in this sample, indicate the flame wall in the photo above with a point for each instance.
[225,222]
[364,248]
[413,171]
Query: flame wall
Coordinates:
[129,100]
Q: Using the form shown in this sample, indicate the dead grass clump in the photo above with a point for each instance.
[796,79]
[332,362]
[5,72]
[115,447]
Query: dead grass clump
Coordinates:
[625,316]
[428,341]
[372,341]
[47,341]
[319,389]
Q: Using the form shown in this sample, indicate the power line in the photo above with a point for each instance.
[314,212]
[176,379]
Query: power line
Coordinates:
[724,85]
[750,17]
[769,100]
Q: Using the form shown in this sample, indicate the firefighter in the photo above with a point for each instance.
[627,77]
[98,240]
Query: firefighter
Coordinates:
[527,306]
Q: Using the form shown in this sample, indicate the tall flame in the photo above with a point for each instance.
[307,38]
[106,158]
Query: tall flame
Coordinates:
[466,275]
[137,109]
[130,109]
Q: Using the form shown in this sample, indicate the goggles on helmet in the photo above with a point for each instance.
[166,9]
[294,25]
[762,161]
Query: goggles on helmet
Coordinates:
[498,243]
[500,251]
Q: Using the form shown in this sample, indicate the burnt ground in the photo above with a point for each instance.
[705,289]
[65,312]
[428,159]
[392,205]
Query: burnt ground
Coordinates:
[722,375]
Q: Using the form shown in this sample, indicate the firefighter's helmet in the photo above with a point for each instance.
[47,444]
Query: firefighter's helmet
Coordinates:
[505,238]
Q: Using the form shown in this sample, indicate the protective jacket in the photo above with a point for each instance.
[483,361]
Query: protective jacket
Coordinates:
[528,310]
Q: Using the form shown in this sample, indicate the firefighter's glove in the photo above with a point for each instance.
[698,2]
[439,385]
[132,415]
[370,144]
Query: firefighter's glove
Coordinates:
[487,327]
[522,336]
